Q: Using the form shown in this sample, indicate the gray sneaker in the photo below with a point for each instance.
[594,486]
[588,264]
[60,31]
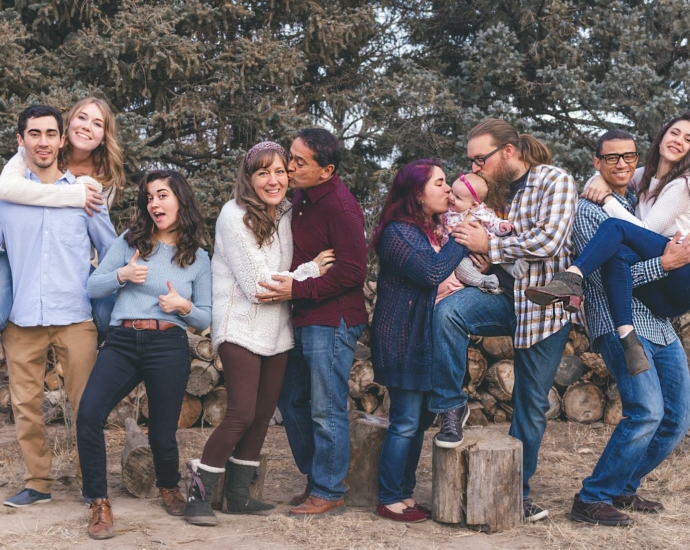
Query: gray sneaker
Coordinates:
[452,422]
[27,497]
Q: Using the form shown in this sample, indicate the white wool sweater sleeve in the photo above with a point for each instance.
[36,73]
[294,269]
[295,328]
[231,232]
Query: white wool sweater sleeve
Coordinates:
[241,256]
[15,188]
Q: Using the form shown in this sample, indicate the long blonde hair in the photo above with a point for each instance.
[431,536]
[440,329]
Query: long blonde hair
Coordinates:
[108,159]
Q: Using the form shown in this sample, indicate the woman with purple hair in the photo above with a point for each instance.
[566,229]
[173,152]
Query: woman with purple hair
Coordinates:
[415,271]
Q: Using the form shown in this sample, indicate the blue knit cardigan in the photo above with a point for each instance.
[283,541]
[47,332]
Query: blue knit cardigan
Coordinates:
[410,272]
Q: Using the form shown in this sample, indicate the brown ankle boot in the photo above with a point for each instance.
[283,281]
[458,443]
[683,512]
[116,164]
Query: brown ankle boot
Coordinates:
[173,501]
[101,524]
[299,499]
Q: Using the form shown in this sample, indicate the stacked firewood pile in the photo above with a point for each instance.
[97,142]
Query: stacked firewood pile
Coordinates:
[583,391]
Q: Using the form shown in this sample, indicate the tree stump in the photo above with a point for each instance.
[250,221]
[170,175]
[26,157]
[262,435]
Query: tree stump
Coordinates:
[477,416]
[190,412]
[579,341]
[200,347]
[500,379]
[554,405]
[367,433]
[256,488]
[123,410]
[479,484]
[5,399]
[203,377]
[498,347]
[138,474]
[369,402]
[489,403]
[613,413]
[56,407]
[52,380]
[362,352]
[215,405]
[583,402]
[570,370]
[476,368]
[217,363]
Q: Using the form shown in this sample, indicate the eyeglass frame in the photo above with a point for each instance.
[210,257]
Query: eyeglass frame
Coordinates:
[481,161]
[619,156]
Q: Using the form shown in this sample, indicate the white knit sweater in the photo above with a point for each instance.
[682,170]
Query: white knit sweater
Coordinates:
[670,212]
[238,266]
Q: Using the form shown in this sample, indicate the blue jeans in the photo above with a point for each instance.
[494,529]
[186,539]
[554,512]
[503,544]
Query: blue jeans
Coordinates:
[409,419]
[6,296]
[471,311]
[102,310]
[656,416]
[313,403]
[616,246]
[159,358]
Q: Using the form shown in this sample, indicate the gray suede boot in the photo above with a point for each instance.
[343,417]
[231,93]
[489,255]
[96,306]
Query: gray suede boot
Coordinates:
[238,478]
[203,480]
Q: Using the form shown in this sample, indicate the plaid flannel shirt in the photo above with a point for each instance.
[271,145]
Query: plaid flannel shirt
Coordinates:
[655,329]
[543,212]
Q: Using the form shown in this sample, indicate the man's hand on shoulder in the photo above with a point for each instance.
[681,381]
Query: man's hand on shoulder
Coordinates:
[676,254]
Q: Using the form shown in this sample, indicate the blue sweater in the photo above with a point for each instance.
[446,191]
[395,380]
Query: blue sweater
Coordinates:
[410,272]
[135,301]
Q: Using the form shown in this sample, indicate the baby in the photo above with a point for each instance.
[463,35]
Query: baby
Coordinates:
[467,197]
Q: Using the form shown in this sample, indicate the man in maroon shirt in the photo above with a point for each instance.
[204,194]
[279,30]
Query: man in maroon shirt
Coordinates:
[328,317]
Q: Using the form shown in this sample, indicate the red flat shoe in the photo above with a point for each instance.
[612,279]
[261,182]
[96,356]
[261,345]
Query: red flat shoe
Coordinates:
[408,515]
[421,508]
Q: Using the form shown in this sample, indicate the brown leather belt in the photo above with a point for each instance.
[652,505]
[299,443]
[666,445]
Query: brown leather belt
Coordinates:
[148,324]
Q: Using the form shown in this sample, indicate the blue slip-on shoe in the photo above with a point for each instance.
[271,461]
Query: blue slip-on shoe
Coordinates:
[27,497]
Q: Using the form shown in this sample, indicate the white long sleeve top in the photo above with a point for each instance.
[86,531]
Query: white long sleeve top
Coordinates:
[667,215]
[238,266]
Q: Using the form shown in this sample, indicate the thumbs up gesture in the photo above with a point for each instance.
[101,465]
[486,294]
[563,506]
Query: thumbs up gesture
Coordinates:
[173,302]
[133,272]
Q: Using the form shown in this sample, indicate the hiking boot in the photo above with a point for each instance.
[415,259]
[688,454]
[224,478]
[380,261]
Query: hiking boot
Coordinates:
[532,512]
[173,501]
[299,499]
[27,497]
[565,287]
[635,358]
[239,475]
[452,422]
[317,506]
[637,504]
[200,485]
[599,513]
[101,524]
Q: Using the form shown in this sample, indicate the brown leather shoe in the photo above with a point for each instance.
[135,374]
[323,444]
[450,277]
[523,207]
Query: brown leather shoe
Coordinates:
[299,499]
[173,501]
[637,504]
[101,524]
[599,513]
[319,506]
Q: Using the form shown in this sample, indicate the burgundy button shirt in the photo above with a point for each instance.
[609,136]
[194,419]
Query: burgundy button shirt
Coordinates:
[323,217]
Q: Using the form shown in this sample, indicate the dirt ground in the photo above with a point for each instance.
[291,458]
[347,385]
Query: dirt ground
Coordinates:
[568,454]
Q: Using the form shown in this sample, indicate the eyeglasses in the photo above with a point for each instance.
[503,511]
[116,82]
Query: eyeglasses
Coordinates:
[613,158]
[481,161]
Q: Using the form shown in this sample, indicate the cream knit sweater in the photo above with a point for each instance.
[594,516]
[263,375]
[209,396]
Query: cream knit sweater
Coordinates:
[238,266]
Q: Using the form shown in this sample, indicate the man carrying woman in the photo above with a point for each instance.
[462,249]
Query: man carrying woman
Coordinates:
[540,202]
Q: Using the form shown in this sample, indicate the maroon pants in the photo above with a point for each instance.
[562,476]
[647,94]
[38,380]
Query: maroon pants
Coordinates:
[253,384]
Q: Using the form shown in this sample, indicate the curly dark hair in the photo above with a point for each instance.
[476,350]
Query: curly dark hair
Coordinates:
[190,224]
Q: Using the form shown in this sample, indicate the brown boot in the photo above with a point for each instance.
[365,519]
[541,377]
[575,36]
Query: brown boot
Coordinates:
[173,501]
[299,499]
[101,524]
[314,506]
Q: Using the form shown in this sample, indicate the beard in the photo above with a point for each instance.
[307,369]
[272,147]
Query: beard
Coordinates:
[499,185]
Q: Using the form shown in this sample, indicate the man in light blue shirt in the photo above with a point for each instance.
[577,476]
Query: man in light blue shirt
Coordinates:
[49,253]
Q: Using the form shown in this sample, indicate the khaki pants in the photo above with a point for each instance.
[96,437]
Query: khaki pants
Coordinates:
[26,349]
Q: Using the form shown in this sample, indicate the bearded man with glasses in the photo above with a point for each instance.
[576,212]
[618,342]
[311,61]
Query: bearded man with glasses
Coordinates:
[539,200]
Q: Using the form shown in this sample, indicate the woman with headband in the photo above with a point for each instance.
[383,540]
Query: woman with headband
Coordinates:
[253,243]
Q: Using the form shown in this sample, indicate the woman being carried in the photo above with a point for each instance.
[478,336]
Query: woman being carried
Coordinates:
[253,243]
[663,190]
[163,284]
[415,271]
[91,151]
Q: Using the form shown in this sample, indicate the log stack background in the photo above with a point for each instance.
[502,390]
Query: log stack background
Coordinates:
[583,391]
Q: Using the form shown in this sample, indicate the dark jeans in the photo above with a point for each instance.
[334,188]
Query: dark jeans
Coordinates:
[313,403]
[252,383]
[409,419]
[656,416]
[616,246]
[6,296]
[471,311]
[161,360]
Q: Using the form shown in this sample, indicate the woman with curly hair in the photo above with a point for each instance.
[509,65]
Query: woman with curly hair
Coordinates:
[163,282]
[253,243]
[92,153]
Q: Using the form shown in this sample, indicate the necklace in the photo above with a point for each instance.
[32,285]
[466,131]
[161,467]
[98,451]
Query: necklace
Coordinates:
[167,246]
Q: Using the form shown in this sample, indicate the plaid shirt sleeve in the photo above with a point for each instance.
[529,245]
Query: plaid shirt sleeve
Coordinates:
[550,227]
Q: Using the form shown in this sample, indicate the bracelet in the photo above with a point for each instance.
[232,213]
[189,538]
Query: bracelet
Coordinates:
[117,276]
[191,305]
